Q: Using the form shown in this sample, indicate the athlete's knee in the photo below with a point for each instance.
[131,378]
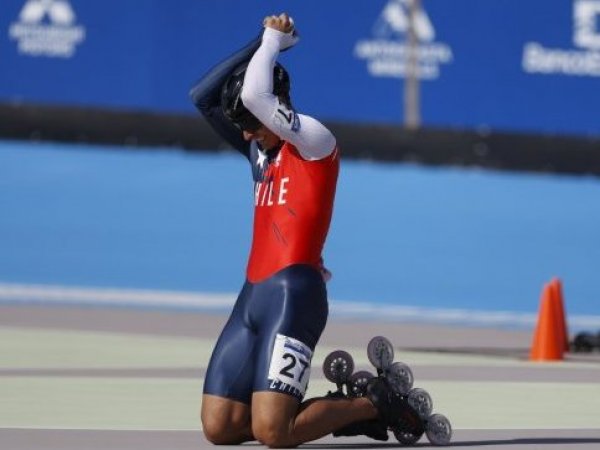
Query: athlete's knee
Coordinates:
[271,434]
[223,429]
[215,431]
[223,432]
[272,438]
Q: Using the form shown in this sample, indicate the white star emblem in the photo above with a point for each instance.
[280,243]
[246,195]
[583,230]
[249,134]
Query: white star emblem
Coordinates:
[262,157]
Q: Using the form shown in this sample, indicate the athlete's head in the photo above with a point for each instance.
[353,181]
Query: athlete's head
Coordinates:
[231,100]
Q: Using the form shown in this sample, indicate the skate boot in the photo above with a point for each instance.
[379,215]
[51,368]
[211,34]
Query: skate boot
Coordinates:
[406,410]
[373,429]
[338,367]
[395,411]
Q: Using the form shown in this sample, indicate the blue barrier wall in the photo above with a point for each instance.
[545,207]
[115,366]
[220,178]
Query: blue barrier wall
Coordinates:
[440,238]
[531,66]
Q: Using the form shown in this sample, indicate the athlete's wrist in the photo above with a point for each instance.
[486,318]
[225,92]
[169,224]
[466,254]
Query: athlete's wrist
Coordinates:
[282,40]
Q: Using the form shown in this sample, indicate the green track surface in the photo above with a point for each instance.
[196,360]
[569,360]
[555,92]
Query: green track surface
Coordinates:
[152,403]
[40,348]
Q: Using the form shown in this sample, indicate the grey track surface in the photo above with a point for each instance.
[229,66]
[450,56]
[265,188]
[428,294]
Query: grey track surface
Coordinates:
[15,439]
[338,332]
[451,340]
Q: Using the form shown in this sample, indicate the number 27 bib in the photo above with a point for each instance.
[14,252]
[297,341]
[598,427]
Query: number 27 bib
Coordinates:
[289,370]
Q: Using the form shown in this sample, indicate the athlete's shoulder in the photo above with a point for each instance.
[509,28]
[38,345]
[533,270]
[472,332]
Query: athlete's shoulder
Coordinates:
[313,140]
[331,155]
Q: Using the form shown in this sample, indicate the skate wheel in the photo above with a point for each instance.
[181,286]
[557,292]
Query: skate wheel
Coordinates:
[406,438]
[438,429]
[400,377]
[357,383]
[421,401]
[380,352]
[338,366]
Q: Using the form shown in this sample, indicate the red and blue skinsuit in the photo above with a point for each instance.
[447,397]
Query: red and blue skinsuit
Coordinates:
[282,308]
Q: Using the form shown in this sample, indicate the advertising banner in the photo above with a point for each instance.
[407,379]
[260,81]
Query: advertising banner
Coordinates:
[482,64]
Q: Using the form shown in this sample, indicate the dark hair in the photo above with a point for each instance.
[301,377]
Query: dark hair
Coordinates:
[231,101]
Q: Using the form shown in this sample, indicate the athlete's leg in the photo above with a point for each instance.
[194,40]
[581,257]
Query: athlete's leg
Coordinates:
[225,412]
[225,421]
[291,317]
[279,420]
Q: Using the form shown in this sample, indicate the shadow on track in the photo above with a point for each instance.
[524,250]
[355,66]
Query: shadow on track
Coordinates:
[558,441]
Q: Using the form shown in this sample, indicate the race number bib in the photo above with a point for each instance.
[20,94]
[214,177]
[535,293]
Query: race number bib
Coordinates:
[289,370]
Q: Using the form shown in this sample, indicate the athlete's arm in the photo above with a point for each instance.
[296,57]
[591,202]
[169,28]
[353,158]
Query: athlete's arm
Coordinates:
[312,139]
[206,95]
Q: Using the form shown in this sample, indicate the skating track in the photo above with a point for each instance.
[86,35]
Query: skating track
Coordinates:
[75,378]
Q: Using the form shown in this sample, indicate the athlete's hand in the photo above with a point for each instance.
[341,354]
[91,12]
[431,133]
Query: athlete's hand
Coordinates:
[284,24]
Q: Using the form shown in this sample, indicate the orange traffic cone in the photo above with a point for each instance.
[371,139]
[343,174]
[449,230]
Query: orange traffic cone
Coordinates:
[546,345]
[559,304]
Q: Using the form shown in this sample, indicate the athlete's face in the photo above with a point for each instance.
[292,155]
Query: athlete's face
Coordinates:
[263,136]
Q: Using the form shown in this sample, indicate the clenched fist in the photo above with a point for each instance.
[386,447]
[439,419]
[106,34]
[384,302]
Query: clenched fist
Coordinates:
[282,22]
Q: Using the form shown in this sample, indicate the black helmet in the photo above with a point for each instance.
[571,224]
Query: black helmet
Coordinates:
[232,105]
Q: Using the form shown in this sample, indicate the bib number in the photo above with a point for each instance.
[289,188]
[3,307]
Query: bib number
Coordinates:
[290,365]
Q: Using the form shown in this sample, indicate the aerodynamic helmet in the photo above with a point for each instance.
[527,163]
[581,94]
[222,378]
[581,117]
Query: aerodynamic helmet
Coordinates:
[231,101]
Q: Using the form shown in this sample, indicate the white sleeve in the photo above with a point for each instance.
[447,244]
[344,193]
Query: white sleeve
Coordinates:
[312,139]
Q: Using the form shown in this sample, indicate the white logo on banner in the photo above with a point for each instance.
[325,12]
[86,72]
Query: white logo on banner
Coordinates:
[47,28]
[387,54]
[584,61]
